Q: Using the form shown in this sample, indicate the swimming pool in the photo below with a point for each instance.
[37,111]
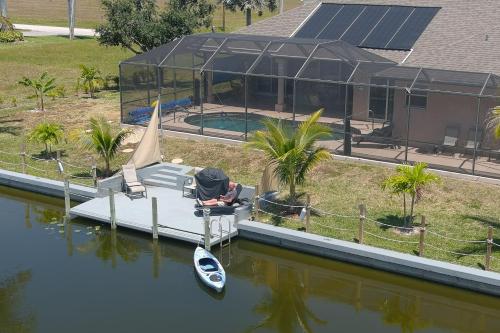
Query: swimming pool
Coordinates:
[236,122]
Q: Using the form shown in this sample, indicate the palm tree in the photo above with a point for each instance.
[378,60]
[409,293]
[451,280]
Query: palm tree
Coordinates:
[410,180]
[41,86]
[91,78]
[250,5]
[291,150]
[104,141]
[494,122]
[71,18]
[48,134]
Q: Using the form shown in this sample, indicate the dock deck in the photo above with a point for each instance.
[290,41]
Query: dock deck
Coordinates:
[176,215]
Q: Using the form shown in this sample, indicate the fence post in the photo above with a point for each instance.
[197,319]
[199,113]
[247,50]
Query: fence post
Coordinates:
[58,160]
[421,242]
[489,245]
[257,202]
[112,210]
[362,216]
[154,203]
[23,157]
[308,211]
[67,201]
[206,219]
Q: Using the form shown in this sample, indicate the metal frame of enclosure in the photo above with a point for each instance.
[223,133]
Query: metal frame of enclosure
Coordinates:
[201,79]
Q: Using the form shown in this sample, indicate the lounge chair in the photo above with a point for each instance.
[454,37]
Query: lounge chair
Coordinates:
[131,183]
[189,185]
[471,138]
[223,210]
[451,136]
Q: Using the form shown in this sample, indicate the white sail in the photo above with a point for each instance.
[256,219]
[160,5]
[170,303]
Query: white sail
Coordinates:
[148,150]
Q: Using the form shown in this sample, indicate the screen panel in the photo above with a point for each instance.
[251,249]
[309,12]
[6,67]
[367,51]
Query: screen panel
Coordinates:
[413,28]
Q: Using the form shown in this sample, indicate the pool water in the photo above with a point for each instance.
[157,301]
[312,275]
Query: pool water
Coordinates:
[236,122]
[83,277]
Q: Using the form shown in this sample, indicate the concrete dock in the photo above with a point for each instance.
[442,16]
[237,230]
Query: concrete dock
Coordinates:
[176,215]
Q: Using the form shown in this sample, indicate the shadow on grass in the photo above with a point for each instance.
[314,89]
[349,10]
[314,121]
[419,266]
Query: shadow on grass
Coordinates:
[43,155]
[12,130]
[484,220]
[280,209]
[392,221]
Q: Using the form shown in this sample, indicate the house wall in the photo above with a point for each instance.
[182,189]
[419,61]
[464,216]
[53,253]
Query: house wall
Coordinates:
[428,127]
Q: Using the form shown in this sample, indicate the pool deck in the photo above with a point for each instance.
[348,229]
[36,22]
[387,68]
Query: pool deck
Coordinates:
[176,215]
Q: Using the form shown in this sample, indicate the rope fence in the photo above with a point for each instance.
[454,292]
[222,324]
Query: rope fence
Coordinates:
[422,230]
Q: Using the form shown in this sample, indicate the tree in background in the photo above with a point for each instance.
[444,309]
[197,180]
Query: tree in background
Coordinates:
[139,25]
[291,150]
[248,6]
[47,134]
[91,79]
[494,122]
[41,87]
[412,181]
[104,141]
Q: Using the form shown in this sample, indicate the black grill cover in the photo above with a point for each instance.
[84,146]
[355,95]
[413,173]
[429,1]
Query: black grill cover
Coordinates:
[211,183]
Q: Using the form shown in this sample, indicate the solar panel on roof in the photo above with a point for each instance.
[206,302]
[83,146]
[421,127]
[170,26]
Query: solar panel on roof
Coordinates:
[318,20]
[371,26]
[364,24]
[413,28]
[336,28]
[387,28]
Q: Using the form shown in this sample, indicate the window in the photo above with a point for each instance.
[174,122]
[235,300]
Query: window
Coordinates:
[418,100]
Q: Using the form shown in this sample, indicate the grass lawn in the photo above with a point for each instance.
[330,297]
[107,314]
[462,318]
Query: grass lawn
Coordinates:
[88,17]
[458,209]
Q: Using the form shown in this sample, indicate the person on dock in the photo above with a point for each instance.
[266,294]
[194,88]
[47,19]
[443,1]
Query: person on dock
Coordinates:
[223,200]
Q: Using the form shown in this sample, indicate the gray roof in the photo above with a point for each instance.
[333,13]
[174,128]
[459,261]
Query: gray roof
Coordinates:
[464,35]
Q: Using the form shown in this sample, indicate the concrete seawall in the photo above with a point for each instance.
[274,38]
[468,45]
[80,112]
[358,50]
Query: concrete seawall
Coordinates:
[391,261]
[53,188]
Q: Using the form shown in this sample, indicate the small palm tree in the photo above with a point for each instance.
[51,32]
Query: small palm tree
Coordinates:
[291,150]
[104,141]
[47,134]
[41,87]
[91,79]
[410,180]
[494,121]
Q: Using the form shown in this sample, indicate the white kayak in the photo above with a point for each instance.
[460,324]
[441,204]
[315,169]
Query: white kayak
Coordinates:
[209,269]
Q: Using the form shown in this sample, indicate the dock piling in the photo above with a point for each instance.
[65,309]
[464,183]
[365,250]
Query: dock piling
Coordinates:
[362,217]
[112,210]
[421,243]
[489,246]
[206,219]
[67,201]
[257,202]
[154,203]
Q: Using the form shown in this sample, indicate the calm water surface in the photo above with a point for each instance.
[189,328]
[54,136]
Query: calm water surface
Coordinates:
[87,280]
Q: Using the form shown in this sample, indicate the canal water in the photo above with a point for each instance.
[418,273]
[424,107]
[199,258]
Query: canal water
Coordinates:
[84,278]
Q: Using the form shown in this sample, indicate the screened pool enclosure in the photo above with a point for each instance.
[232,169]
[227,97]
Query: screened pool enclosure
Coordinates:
[224,85]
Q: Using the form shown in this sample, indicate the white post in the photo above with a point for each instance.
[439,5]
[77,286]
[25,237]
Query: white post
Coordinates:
[112,211]
[154,202]
[67,201]
[3,8]
[282,5]
[71,18]
[206,218]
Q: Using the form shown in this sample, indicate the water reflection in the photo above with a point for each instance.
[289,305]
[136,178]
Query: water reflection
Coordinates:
[284,308]
[13,320]
[269,289]
[108,245]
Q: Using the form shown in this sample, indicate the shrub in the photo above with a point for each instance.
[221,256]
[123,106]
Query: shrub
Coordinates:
[11,36]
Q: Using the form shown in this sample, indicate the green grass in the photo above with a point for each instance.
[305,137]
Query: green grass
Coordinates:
[88,18]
